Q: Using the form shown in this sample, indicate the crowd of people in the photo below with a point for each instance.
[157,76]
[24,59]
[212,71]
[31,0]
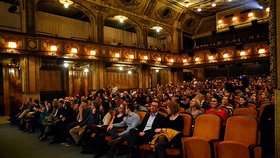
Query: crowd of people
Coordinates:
[88,121]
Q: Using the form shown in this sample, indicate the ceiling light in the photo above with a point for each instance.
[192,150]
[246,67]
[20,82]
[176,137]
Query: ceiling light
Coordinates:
[131,56]
[121,19]
[12,44]
[267,9]
[261,51]
[120,68]
[197,59]
[117,55]
[214,4]
[242,53]
[74,50]
[66,3]
[199,9]
[210,57]
[229,0]
[157,28]
[53,48]
[129,72]
[93,52]
[66,65]
[250,14]
[86,70]
[157,70]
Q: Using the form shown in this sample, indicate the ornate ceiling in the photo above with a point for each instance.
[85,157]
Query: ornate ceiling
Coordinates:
[182,14]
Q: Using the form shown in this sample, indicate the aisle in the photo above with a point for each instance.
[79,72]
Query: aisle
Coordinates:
[17,144]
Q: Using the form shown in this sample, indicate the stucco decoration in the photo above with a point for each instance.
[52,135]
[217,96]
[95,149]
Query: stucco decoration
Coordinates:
[165,13]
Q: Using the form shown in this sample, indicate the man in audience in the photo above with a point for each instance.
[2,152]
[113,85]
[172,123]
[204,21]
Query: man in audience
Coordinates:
[145,132]
[131,121]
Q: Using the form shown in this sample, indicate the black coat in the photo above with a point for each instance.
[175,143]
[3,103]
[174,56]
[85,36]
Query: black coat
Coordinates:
[159,122]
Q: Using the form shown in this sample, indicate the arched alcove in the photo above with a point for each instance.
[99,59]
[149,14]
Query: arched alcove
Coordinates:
[124,32]
[159,39]
[72,22]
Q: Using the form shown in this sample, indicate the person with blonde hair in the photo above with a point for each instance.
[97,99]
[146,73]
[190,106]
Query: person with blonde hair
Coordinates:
[194,108]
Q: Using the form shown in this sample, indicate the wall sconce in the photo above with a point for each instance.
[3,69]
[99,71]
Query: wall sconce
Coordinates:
[197,59]
[157,70]
[92,52]
[242,53]
[145,57]
[131,56]
[210,57]
[117,55]
[267,9]
[66,65]
[159,59]
[251,15]
[199,9]
[74,50]
[213,4]
[172,60]
[184,60]
[129,72]
[12,44]
[261,51]
[53,48]
[225,55]
[234,19]
[120,68]
[220,22]
[157,28]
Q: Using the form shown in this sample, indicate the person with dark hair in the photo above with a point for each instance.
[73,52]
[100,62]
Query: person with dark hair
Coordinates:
[215,103]
[132,120]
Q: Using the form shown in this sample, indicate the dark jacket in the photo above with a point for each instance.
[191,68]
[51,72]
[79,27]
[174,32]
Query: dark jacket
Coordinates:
[158,123]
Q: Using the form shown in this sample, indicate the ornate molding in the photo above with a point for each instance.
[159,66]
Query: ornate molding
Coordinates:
[272,39]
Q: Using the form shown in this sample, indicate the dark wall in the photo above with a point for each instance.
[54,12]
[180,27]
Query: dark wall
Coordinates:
[2,109]
[253,68]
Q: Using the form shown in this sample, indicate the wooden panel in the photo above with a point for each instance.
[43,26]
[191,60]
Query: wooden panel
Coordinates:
[6,22]
[124,37]
[122,80]
[50,80]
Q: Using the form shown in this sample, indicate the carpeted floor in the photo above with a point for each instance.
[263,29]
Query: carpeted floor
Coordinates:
[17,144]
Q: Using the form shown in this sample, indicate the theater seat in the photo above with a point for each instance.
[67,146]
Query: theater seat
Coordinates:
[240,138]
[207,129]
[246,111]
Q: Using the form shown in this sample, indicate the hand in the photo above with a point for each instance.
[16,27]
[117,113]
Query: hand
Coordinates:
[77,127]
[158,130]
[141,134]
[110,127]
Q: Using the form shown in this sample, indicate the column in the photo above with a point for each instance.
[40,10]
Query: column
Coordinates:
[30,67]
[179,34]
[145,36]
[100,28]
[28,16]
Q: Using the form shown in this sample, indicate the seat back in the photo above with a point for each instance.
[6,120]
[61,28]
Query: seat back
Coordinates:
[187,124]
[207,126]
[112,112]
[141,114]
[262,107]
[242,129]
[181,110]
[246,111]
[252,105]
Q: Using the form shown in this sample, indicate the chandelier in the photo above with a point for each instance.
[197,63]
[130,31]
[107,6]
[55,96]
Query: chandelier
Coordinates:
[66,3]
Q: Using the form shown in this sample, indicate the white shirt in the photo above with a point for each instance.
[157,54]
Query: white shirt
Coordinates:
[150,121]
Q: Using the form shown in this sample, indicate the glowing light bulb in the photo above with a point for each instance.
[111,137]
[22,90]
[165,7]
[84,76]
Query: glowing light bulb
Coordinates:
[157,70]
[129,72]
[210,57]
[214,4]
[92,52]
[53,48]
[199,9]
[86,70]
[12,45]
[242,53]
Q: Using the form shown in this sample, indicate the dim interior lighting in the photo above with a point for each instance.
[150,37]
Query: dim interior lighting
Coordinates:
[145,57]
[53,48]
[157,28]
[220,21]
[187,4]
[229,0]
[267,9]
[92,52]
[210,57]
[66,65]
[197,59]
[199,9]
[86,70]
[117,55]
[120,68]
[129,72]
[159,59]
[225,55]
[184,60]
[234,18]
[261,51]
[214,4]
[157,70]
[12,44]
[74,50]
[121,19]
[131,56]
[172,60]
[66,3]
[242,53]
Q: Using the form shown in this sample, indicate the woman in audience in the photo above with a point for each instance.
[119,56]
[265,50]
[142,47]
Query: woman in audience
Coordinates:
[194,109]
[174,122]
[242,102]
[215,103]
